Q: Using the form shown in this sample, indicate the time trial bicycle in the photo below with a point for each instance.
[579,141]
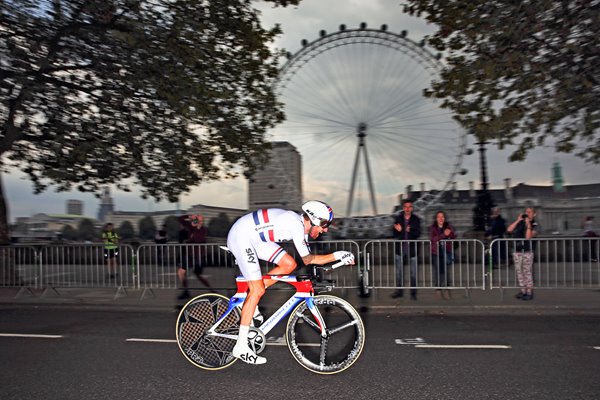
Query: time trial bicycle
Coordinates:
[324,333]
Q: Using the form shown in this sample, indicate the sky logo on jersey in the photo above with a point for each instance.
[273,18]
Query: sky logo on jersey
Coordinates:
[261,217]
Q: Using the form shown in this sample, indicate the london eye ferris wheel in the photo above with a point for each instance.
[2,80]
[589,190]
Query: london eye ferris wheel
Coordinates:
[356,112]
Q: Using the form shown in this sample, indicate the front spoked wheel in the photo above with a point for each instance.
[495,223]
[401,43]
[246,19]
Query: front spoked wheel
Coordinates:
[339,348]
[196,317]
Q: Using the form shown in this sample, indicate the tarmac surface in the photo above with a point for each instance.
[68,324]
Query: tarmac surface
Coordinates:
[473,301]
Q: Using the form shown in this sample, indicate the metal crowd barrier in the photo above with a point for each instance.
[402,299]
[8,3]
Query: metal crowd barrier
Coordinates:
[19,266]
[460,267]
[558,263]
[158,265]
[83,265]
[150,266]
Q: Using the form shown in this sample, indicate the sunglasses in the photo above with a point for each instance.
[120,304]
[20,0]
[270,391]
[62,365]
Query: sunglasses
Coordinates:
[324,223]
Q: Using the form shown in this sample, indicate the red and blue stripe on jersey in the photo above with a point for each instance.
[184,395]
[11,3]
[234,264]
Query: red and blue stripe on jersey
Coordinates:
[264,213]
[275,256]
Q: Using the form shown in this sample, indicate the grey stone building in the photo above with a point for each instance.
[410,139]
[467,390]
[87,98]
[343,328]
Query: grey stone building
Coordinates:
[560,208]
[279,182]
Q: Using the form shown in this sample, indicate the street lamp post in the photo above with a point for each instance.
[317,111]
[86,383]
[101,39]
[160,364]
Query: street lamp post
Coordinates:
[483,207]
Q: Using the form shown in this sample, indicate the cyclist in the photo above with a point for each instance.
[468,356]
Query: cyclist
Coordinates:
[254,237]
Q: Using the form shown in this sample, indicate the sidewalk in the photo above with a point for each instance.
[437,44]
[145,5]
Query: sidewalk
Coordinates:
[476,301]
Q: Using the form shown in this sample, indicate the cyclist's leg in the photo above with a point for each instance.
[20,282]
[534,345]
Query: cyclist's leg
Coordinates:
[286,265]
[247,260]
[256,289]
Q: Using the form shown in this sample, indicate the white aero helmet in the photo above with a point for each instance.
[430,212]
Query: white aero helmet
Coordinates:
[319,213]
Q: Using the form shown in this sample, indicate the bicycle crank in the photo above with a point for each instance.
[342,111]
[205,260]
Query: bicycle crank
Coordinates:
[256,340]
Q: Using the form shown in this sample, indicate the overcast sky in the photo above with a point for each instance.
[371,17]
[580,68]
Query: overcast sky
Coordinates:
[305,22]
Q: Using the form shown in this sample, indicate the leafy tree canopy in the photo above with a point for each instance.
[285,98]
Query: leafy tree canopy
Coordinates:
[147,228]
[86,230]
[162,94]
[219,226]
[69,233]
[126,230]
[520,72]
[171,224]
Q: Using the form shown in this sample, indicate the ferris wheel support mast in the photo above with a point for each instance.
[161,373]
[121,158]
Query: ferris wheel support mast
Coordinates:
[362,146]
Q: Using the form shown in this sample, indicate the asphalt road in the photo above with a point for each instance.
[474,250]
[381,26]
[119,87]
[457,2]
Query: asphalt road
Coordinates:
[83,353]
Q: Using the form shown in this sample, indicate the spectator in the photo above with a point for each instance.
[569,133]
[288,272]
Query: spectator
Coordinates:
[441,252]
[589,232]
[524,227]
[193,232]
[110,239]
[407,226]
[160,237]
[496,231]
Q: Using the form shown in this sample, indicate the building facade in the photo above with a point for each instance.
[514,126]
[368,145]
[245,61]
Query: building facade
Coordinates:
[74,207]
[159,217]
[279,182]
[107,205]
[560,208]
[44,227]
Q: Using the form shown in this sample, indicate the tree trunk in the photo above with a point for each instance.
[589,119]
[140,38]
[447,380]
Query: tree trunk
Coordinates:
[8,272]
[4,234]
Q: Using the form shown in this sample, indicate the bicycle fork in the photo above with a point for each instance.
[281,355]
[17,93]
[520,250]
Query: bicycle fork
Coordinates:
[320,325]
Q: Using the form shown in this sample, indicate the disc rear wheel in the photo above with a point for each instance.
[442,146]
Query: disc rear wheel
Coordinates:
[194,320]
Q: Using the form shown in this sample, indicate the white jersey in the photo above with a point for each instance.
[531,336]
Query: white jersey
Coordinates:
[254,237]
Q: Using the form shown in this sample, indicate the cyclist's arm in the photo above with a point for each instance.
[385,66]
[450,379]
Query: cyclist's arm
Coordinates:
[318,259]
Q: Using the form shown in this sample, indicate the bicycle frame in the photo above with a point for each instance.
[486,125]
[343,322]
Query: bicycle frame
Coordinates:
[304,292]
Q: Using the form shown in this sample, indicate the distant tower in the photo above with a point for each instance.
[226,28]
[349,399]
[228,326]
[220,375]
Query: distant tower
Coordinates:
[557,178]
[75,207]
[106,204]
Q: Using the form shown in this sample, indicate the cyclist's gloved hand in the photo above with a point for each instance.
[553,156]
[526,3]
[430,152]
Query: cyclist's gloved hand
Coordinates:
[345,256]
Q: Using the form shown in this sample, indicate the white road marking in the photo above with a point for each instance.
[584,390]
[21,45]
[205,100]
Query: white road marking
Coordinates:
[410,341]
[276,341]
[272,341]
[151,340]
[28,335]
[463,346]
[420,343]
[280,341]
[596,347]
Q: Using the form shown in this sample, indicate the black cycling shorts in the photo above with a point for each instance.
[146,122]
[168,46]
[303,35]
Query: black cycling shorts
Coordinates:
[190,261]
[111,253]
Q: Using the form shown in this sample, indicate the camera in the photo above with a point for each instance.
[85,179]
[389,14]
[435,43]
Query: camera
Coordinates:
[523,216]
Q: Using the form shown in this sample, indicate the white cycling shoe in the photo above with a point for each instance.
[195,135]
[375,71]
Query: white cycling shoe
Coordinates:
[246,355]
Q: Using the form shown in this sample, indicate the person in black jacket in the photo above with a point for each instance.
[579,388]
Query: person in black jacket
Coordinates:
[496,231]
[192,232]
[160,237]
[407,227]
